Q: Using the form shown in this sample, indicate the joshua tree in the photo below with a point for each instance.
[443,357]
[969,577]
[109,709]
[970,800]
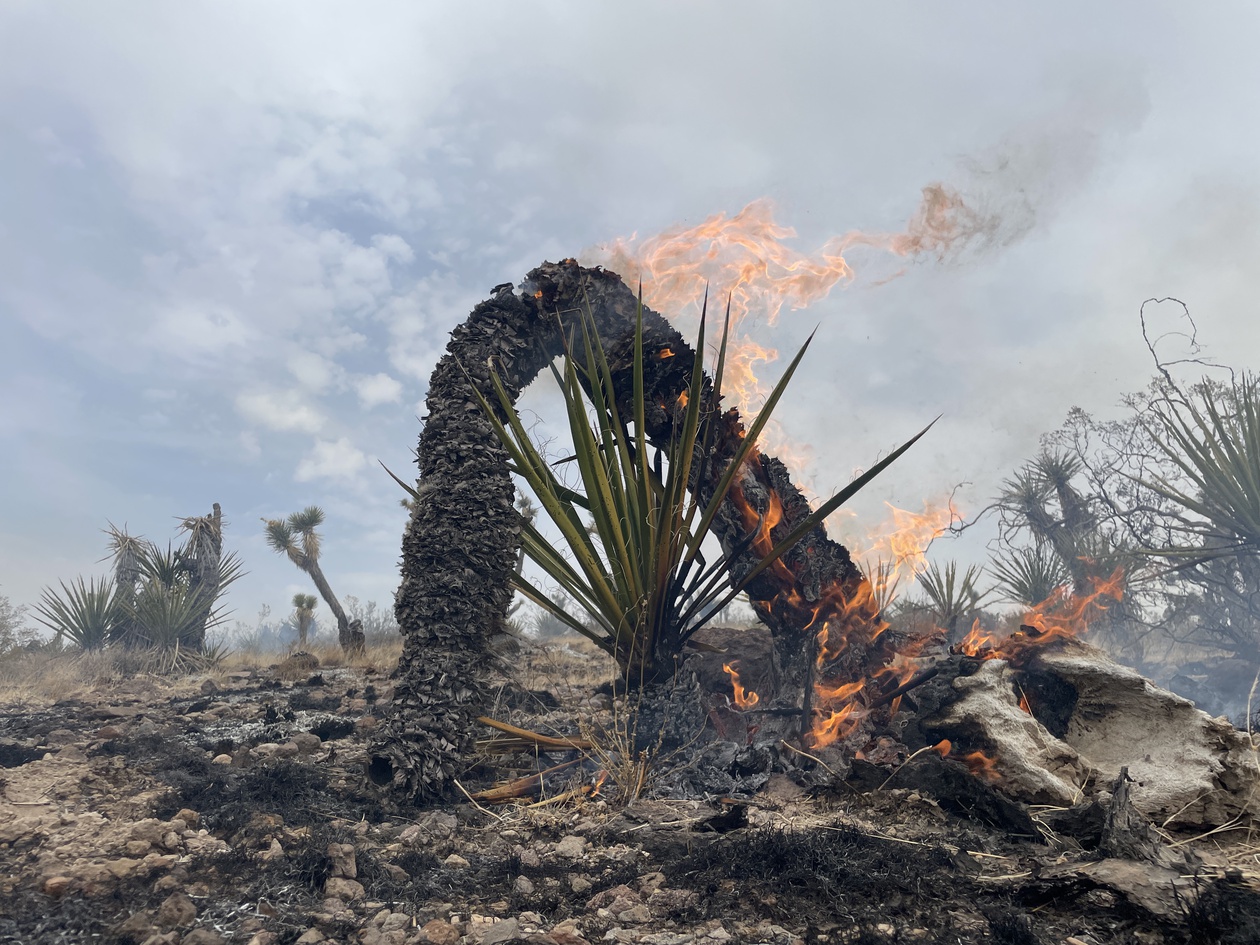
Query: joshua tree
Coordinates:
[159,598]
[303,615]
[297,538]
[201,557]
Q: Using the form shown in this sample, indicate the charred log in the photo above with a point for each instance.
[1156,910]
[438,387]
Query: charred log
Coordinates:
[460,546]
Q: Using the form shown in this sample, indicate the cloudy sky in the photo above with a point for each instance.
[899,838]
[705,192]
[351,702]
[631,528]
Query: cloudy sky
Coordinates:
[235,236]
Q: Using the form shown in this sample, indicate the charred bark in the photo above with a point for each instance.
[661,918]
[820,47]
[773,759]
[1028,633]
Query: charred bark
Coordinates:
[460,546]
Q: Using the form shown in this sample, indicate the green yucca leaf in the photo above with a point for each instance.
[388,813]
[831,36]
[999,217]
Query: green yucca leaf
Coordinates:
[638,568]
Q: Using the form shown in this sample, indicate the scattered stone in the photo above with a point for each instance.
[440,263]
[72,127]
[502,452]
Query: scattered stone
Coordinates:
[439,932]
[307,743]
[396,920]
[506,931]
[342,857]
[529,859]
[176,910]
[456,862]
[202,937]
[189,817]
[122,867]
[571,847]
[523,886]
[566,933]
[616,899]
[273,852]
[338,887]
[223,759]
[310,937]
[109,732]
[134,929]
[56,886]
[209,687]
[636,915]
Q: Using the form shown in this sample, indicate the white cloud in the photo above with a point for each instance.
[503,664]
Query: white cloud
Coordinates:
[312,371]
[378,389]
[331,460]
[280,410]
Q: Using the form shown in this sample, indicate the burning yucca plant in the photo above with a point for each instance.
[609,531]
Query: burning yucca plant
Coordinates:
[632,537]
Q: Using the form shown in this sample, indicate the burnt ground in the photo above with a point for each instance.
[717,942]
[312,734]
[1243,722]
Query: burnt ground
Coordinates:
[234,809]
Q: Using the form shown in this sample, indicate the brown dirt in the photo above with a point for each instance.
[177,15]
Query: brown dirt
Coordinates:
[234,809]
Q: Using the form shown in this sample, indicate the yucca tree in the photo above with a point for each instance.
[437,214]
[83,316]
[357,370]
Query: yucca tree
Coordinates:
[296,537]
[171,608]
[126,552]
[303,616]
[86,614]
[170,598]
[202,557]
[1210,438]
[157,599]
[1043,499]
[951,596]
[630,553]
[1028,576]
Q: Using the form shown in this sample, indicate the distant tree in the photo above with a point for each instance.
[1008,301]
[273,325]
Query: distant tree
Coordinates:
[14,634]
[297,538]
[303,616]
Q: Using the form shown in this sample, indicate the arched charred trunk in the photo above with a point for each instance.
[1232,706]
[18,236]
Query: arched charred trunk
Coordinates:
[460,546]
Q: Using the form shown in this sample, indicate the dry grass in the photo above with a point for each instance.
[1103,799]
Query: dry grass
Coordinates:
[40,679]
[36,680]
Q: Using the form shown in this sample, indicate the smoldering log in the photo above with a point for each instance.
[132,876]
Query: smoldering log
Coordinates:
[460,545]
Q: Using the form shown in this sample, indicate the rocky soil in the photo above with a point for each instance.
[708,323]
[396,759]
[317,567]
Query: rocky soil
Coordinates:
[234,808]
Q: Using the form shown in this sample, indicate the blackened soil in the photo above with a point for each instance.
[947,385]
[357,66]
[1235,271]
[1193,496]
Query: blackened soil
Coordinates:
[237,797]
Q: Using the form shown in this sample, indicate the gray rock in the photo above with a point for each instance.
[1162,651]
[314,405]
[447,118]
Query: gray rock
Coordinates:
[506,931]
[571,847]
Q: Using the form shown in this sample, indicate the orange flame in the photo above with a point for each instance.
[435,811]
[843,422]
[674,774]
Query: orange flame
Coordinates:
[836,725]
[943,747]
[982,766]
[747,256]
[904,537]
[1023,703]
[744,699]
[599,782]
[1061,616]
